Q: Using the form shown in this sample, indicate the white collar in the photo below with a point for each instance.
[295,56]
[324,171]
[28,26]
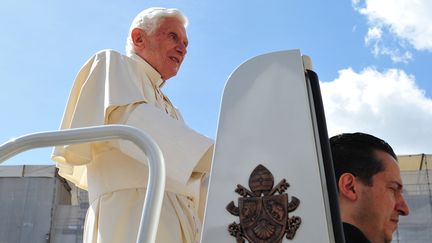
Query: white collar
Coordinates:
[152,73]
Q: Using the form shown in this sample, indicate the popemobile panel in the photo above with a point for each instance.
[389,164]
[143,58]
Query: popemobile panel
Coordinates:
[271,178]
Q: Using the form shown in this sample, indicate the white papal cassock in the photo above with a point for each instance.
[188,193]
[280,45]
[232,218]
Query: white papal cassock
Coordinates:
[115,89]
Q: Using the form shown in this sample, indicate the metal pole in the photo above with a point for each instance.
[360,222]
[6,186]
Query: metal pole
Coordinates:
[156,178]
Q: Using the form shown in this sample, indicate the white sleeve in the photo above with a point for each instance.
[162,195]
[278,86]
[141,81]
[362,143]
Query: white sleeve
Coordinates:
[181,147]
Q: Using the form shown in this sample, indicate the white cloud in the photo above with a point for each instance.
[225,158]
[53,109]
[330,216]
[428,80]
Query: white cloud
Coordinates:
[386,104]
[374,38]
[374,33]
[405,21]
[395,54]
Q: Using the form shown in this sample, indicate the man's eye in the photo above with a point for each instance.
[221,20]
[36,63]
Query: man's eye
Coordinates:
[173,36]
[395,190]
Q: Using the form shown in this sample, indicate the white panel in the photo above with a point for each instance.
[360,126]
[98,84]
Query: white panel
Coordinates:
[11,170]
[27,171]
[39,170]
[266,119]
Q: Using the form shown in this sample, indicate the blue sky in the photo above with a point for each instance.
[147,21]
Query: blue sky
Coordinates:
[372,57]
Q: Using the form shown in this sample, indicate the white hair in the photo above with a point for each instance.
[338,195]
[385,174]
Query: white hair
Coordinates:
[148,21]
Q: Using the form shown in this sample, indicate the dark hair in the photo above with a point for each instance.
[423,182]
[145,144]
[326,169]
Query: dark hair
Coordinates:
[355,153]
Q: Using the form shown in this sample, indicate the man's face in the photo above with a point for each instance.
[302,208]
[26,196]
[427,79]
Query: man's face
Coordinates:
[165,49]
[380,205]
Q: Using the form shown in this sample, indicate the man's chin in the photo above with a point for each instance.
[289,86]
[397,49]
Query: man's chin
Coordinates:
[388,238]
[173,73]
[168,76]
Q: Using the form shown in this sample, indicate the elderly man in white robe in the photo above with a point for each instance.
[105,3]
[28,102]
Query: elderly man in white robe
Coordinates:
[116,89]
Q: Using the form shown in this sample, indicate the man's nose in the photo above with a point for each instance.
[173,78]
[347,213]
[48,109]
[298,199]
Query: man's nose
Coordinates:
[181,48]
[402,206]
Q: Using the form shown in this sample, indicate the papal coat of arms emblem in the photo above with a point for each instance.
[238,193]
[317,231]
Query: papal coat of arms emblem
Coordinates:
[263,214]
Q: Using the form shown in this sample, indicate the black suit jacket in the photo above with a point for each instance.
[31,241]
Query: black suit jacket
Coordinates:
[353,234]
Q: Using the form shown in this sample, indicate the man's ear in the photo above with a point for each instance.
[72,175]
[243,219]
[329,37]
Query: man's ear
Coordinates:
[138,38]
[347,186]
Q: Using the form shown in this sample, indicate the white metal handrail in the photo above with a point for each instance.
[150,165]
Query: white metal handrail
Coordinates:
[156,178]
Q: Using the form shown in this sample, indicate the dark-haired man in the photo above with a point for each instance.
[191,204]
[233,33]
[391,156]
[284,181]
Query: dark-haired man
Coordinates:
[370,187]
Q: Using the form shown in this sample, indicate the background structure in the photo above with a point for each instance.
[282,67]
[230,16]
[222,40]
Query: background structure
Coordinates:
[38,206]
[416,172]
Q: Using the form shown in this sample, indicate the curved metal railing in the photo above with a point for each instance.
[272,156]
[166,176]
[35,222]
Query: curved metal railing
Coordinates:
[156,178]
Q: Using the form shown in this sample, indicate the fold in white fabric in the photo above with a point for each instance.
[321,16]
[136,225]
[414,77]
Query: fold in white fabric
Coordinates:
[108,81]
[115,89]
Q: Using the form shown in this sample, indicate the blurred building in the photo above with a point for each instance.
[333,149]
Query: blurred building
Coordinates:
[416,172]
[38,206]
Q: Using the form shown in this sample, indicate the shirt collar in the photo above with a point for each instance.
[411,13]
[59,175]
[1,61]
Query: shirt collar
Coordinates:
[354,234]
[153,75]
